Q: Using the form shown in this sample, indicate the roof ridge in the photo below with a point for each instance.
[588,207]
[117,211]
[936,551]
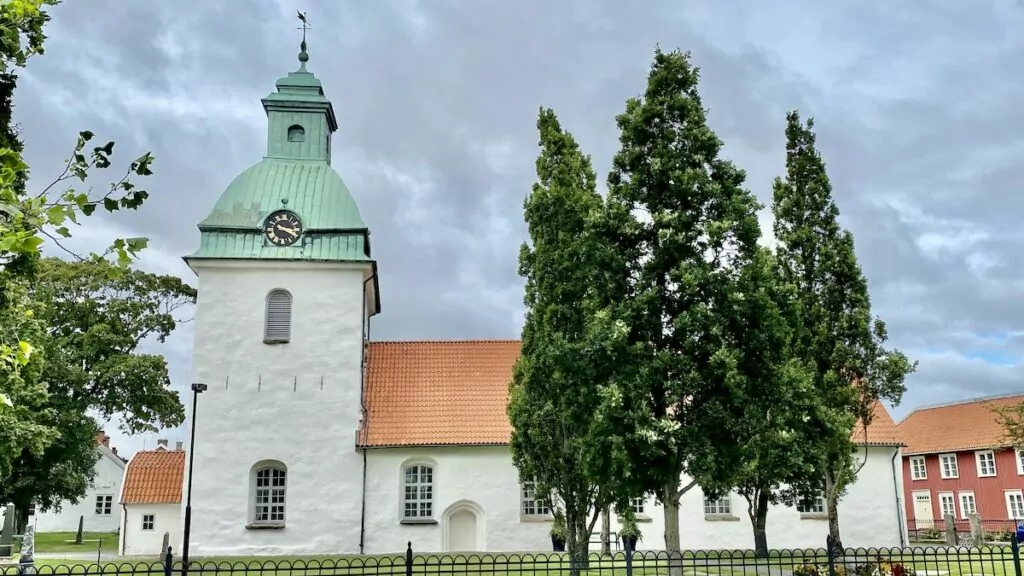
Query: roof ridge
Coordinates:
[977,400]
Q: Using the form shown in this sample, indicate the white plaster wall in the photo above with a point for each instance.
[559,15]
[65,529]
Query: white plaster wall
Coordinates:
[484,476]
[867,516]
[298,403]
[135,541]
[107,482]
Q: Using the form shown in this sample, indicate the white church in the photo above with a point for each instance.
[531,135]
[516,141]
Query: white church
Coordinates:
[312,439]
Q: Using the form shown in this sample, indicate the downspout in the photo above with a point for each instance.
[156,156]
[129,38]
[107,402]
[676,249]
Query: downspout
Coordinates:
[124,528]
[896,490]
[362,407]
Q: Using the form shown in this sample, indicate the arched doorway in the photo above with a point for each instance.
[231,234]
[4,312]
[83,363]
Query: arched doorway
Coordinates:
[463,527]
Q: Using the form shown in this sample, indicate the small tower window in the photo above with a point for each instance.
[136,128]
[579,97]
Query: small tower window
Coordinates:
[278,326]
[296,133]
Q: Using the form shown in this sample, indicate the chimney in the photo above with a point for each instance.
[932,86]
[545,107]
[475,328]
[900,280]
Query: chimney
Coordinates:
[179,446]
[114,450]
[162,442]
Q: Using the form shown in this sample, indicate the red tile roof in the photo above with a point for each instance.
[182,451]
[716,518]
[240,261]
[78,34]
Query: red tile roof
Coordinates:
[154,477]
[968,425]
[455,393]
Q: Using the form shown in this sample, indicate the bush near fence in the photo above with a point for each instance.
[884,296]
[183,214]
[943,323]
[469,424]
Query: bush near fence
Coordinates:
[917,561]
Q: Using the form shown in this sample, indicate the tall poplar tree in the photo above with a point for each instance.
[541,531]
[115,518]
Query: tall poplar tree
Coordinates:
[687,227]
[559,439]
[852,370]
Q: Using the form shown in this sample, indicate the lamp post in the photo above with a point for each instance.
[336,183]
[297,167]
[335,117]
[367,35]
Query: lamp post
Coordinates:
[197,389]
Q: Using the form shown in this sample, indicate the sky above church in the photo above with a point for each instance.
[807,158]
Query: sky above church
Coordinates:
[916,104]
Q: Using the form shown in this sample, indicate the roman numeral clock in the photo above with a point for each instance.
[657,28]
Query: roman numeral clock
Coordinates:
[282,228]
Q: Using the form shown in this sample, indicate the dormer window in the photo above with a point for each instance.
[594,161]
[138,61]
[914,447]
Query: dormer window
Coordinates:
[296,133]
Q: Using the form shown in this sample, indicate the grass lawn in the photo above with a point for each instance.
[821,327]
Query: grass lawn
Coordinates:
[989,561]
[64,542]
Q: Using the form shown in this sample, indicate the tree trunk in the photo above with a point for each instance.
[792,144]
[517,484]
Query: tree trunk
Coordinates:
[21,516]
[832,509]
[606,530]
[670,501]
[760,523]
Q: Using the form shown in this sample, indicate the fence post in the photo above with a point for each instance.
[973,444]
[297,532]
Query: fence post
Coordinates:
[168,562]
[977,534]
[1015,548]
[629,561]
[830,554]
[950,525]
[408,560]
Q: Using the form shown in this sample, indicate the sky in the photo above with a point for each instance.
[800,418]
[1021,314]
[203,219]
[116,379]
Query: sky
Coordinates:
[916,107]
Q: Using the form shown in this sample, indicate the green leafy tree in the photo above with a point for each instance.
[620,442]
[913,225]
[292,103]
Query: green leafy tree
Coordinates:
[686,227]
[1011,419]
[556,402]
[838,337]
[98,314]
[772,396]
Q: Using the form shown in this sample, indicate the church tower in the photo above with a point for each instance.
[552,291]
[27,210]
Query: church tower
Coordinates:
[286,286]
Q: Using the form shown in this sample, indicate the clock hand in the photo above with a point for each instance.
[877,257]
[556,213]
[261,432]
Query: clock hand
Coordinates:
[291,231]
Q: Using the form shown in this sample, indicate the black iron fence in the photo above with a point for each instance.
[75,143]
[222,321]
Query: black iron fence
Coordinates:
[918,561]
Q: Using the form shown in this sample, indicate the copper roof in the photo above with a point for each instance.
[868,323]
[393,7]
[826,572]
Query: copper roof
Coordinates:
[455,393]
[968,425]
[154,477]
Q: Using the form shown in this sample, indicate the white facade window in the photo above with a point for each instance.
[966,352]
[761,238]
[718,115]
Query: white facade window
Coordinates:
[967,504]
[947,504]
[986,463]
[719,507]
[637,504]
[104,505]
[918,471]
[532,504]
[148,522]
[278,323]
[270,489]
[1015,504]
[419,492]
[811,505]
[948,467]
[1019,454]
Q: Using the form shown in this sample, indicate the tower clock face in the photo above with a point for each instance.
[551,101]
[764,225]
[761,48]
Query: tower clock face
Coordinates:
[282,228]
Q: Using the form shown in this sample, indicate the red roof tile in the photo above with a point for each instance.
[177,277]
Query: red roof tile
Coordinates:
[154,477]
[968,425]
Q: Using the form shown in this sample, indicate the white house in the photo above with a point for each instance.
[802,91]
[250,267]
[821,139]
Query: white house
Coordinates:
[310,439]
[151,500]
[98,508]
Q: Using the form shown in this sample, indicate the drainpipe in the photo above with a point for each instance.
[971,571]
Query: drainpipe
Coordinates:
[899,504]
[362,407]
[124,528]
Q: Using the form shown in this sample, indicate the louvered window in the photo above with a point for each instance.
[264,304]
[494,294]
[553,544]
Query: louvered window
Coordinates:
[279,317]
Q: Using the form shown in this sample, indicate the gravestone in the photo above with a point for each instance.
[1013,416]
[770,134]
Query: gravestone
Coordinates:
[7,532]
[81,524]
[28,549]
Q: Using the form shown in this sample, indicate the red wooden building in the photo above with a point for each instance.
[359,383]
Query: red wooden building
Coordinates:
[957,461]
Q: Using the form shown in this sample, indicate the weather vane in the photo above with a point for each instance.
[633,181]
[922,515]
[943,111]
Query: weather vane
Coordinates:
[305,26]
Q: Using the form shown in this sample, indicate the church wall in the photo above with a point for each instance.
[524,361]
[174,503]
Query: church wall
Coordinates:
[486,477]
[480,477]
[295,403]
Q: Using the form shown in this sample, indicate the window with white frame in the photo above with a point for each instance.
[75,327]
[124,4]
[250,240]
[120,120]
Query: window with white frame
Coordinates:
[918,470]
[948,467]
[718,507]
[1015,504]
[104,505]
[947,504]
[986,463]
[277,327]
[419,492]
[1020,460]
[532,503]
[270,490]
[967,504]
[148,522]
[811,504]
[637,504]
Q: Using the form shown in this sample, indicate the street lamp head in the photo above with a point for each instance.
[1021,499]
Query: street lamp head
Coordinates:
[198,387]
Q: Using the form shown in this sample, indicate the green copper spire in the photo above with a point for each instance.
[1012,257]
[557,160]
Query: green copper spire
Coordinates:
[294,176]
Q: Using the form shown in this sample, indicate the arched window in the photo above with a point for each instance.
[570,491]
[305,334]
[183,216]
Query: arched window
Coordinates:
[296,133]
[268,486]
[278,324]
[418,483]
